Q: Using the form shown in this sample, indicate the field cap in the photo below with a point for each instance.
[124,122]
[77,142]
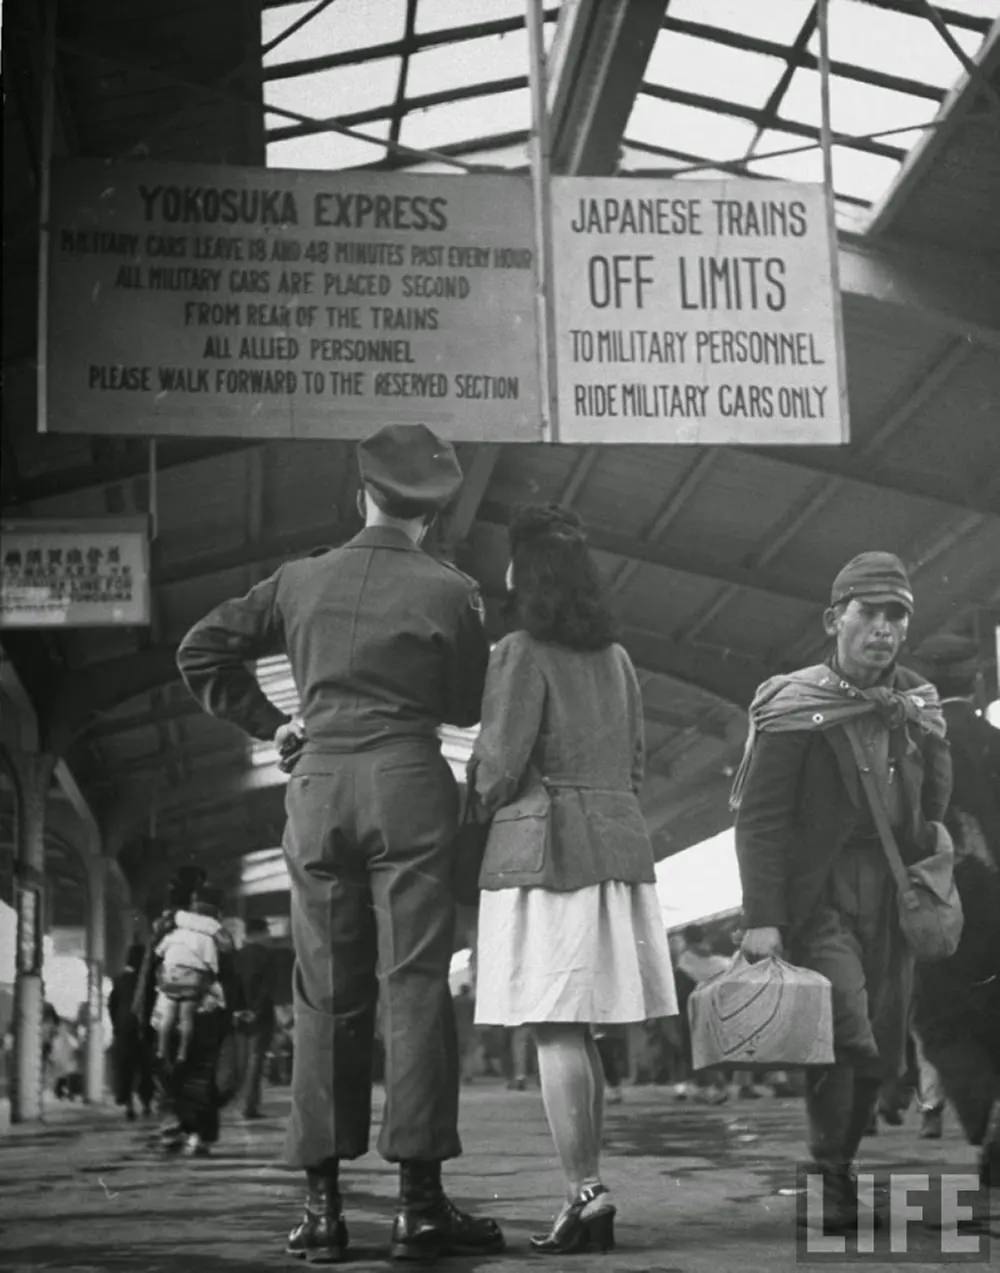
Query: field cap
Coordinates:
[408,464]
[873,576]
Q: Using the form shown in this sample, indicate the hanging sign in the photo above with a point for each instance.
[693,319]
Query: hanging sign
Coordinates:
[88,572]
[252,302]
[695,311]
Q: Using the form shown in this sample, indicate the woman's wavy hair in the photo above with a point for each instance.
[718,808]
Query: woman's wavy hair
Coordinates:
[558,596]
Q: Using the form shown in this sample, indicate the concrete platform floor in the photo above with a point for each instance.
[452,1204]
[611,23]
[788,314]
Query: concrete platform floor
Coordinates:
[697,1189]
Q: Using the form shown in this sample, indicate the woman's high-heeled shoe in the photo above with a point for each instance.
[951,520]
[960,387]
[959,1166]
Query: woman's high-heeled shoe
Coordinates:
[587,1224]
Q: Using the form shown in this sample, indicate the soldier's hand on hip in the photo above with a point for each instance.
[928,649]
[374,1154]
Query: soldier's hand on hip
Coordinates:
[289,739]
[760,943]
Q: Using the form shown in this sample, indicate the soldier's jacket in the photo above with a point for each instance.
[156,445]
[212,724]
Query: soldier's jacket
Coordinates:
[385,642]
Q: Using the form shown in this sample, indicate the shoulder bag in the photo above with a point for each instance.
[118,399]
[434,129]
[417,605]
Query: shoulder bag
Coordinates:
[927,900]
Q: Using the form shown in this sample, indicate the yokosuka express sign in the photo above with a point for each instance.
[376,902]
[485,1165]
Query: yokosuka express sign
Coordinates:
[187,299]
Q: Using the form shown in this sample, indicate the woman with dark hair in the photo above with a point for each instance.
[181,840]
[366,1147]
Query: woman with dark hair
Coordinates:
[570,929]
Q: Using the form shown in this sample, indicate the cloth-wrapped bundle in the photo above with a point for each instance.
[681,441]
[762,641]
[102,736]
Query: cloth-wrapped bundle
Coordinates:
[767,1015]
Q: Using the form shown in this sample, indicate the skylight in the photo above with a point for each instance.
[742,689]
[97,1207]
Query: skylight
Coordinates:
[729,82]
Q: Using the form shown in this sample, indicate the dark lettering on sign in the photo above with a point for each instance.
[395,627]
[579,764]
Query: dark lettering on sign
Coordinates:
[746,218]
[356,284]
[216,247]
[617,280]
[103,242]
[232,380]
[347,252]
[331,349]
[630,345]
[655,401]
[595,400]
[777,349]
[485,386]
[732,282]
[212,313]
[105,376]
[456,286]
[637,216]
[410,384]
[347,383]
[379,212]
[404,318]
[183,278]
[206,204]
[267,348]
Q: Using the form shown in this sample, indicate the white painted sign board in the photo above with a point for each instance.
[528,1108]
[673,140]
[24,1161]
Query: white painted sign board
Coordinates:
[251,302]
[695,312]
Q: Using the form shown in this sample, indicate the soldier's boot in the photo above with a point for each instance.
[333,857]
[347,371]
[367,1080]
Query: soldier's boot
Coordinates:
[321,1235]
[428,1225]
[989,1155]
[839,1107]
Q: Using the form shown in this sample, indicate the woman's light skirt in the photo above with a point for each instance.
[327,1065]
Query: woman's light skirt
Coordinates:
[598,954]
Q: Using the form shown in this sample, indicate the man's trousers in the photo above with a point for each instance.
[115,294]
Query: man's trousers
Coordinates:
[369,847]
[854,940]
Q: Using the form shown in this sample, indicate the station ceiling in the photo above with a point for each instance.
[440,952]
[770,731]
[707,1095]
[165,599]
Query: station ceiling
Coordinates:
[718,558]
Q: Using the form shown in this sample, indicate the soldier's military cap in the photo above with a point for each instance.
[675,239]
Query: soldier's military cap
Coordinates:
[873,576]
[410,465]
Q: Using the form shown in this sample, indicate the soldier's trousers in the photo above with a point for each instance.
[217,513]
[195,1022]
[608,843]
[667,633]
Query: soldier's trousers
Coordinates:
[853,939]
[368,842]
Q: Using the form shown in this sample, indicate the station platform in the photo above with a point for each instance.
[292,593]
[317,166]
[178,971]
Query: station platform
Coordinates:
[700,1189]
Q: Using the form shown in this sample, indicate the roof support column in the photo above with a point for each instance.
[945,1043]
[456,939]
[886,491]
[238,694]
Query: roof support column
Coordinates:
[32,774]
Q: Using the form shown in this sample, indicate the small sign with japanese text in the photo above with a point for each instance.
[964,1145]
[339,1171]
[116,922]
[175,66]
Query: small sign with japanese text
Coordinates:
[87,572]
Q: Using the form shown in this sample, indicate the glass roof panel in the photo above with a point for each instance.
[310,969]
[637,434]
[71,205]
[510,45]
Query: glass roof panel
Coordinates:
[500,157]
[904,43]
[978,8]
[439,15]
[803,165]
[340,91]
[458,121]
[328,150]
[454,66]
[854,107]
[702,66]
[688,128]
[779,20]
[344,25]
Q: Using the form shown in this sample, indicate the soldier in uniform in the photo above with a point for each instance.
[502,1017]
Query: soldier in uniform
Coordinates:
[385,644]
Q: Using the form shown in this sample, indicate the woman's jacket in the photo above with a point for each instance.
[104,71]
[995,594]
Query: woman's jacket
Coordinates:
[558,764]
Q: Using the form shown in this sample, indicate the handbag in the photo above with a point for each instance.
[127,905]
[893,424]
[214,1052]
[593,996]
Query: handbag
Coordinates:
[469,848]
[927,900]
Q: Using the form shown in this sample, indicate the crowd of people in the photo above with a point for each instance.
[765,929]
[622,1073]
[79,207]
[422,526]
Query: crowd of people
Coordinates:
[386,643]
[193,1017]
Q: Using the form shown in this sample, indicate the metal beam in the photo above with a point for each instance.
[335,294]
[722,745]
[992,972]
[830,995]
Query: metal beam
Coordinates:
[957,291]
[596,66]
[684,561]
[674,504]
[730,678]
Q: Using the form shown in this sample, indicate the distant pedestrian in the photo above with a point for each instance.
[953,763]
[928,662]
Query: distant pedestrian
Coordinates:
[256,970]
[132,1041]
[187,974]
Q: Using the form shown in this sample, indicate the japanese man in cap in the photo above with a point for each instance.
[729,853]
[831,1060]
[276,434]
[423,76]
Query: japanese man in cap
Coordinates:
[385,643]
[816,882]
